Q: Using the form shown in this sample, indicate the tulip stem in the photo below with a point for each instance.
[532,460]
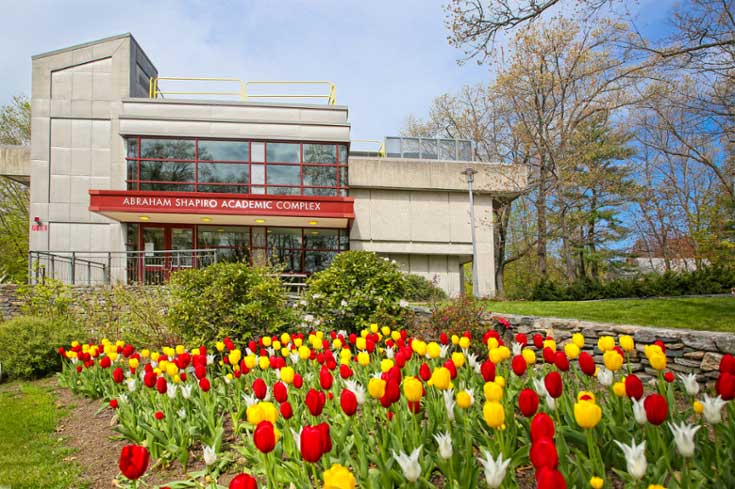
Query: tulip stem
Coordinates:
[685,474]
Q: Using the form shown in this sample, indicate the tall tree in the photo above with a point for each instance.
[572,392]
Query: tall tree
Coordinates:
[15,129]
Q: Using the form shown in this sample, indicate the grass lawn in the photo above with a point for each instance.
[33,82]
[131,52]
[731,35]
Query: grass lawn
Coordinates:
[31,454]
[707,313]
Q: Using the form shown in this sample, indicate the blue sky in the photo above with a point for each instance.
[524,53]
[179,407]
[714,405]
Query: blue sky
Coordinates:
[388,59]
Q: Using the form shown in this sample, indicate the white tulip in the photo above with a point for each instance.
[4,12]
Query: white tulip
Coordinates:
[210,359]
[472,360]
[390,353]
[550,402]
[690,384]
[172,391]
[639,411]
[517,348]
[297,438]
[712,407]
[131,384]
[443,351]
[494,469]
[186,390]
[210,456]
[684,437]
[409,464]
[449,403]
[635,458]
[540,387]
[182,413]
[249,400]
[605,377]
[445,445]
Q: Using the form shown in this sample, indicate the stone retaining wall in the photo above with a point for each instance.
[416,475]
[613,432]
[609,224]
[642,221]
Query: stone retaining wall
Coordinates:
[687,351]
[9,304]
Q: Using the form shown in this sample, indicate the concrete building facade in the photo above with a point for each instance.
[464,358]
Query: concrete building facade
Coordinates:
[113,169]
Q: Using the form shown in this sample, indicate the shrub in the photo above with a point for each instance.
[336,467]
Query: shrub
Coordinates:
[420,289]
[706,280]
[460,315]
[52,299]
[28,345]
[356,289]
[227,299]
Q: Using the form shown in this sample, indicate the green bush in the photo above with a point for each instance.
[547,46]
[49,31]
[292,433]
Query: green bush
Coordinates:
[29,344]
[707,280]
[359,287]
[227,299]
[459,315]
[420,289]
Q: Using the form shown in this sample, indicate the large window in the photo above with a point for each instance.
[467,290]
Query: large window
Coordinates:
[297,250]
[236,167]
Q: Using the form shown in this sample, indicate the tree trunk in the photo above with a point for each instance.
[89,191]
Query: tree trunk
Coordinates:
[502,218]
[541,221]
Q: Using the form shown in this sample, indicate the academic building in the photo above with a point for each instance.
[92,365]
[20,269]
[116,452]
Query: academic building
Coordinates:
[133,177]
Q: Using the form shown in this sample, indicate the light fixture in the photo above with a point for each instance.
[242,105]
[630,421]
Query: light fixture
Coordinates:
[206,219]
[260,221]
[313,223]
[314,233]
[143,218]
[220,230]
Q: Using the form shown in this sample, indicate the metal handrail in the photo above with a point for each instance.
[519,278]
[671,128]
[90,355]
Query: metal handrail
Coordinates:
[381,145]
[154,91]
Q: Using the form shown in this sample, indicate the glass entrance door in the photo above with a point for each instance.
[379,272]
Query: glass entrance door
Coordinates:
[165,248]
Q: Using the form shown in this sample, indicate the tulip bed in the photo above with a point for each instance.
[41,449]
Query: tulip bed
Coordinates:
[381,409]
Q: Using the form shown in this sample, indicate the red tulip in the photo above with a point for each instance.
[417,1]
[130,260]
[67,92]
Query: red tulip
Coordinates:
[487,369]
[528,402]
[260,388]
[633,387]
[161,385]
[326,437]
[519,365]
[725,386]
[449,364]
[105,362]
[669,377]
[315,401]
[345,371]
[661,344]
[159,415]
[280,392]
[561,361]
[149,379]
[521,339]
[656,408]
[444,339]
[113,403]
[549,355]
[425,372]
[542,427]
[543,454]
[325,378]
[727,364]
[264,436]
[311,443]
[134,461]
[204,384]
[298,381]
[414,406]
[117,375]
[587,363]
[286,410]
[553,384]
[243,481]
[538,341]
[547,478]
[348,401]
[200,371]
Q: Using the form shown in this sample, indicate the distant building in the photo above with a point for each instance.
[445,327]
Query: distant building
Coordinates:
[130,181]
[649,256]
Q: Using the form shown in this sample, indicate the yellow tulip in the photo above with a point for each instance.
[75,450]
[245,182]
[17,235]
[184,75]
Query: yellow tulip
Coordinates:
[373,328]
[287,374]
[613,360]
[464,342]
[251,361]
[219,346]
[550,344]
[464,399]
[304,352]
[361,344]
[492,343]
[376,387]
[339,477]
[458,359]
[619,389]
[133,363]
[626,342]
[698,407]
[285,338]
[455,339]
[386,364]
[180,349]
[529,356]
[264,363]
[234,357]
[419,347]
[412,389]
[606,343]
[500,380]
[571,350]
[578,339]
[363,358]
[433,349]
[597,483]
[493,392]
[658,361]
[441,378]
[587,414]
[385,330]
[267,341]
[494,414]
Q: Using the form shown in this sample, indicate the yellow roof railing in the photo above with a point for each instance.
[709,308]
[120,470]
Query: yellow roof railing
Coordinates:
[381,145]
[244,88]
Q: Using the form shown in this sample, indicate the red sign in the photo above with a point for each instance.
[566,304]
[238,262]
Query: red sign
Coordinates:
[205,203]
[39,227]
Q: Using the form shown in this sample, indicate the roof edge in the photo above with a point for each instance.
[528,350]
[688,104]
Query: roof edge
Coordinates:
[86,44]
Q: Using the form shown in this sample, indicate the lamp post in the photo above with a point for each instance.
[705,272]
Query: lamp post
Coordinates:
[469,173]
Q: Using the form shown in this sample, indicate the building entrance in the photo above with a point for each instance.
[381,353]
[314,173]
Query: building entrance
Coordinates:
[164,248]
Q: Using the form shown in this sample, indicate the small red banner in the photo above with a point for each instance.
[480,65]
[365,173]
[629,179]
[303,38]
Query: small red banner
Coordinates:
[213,204]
